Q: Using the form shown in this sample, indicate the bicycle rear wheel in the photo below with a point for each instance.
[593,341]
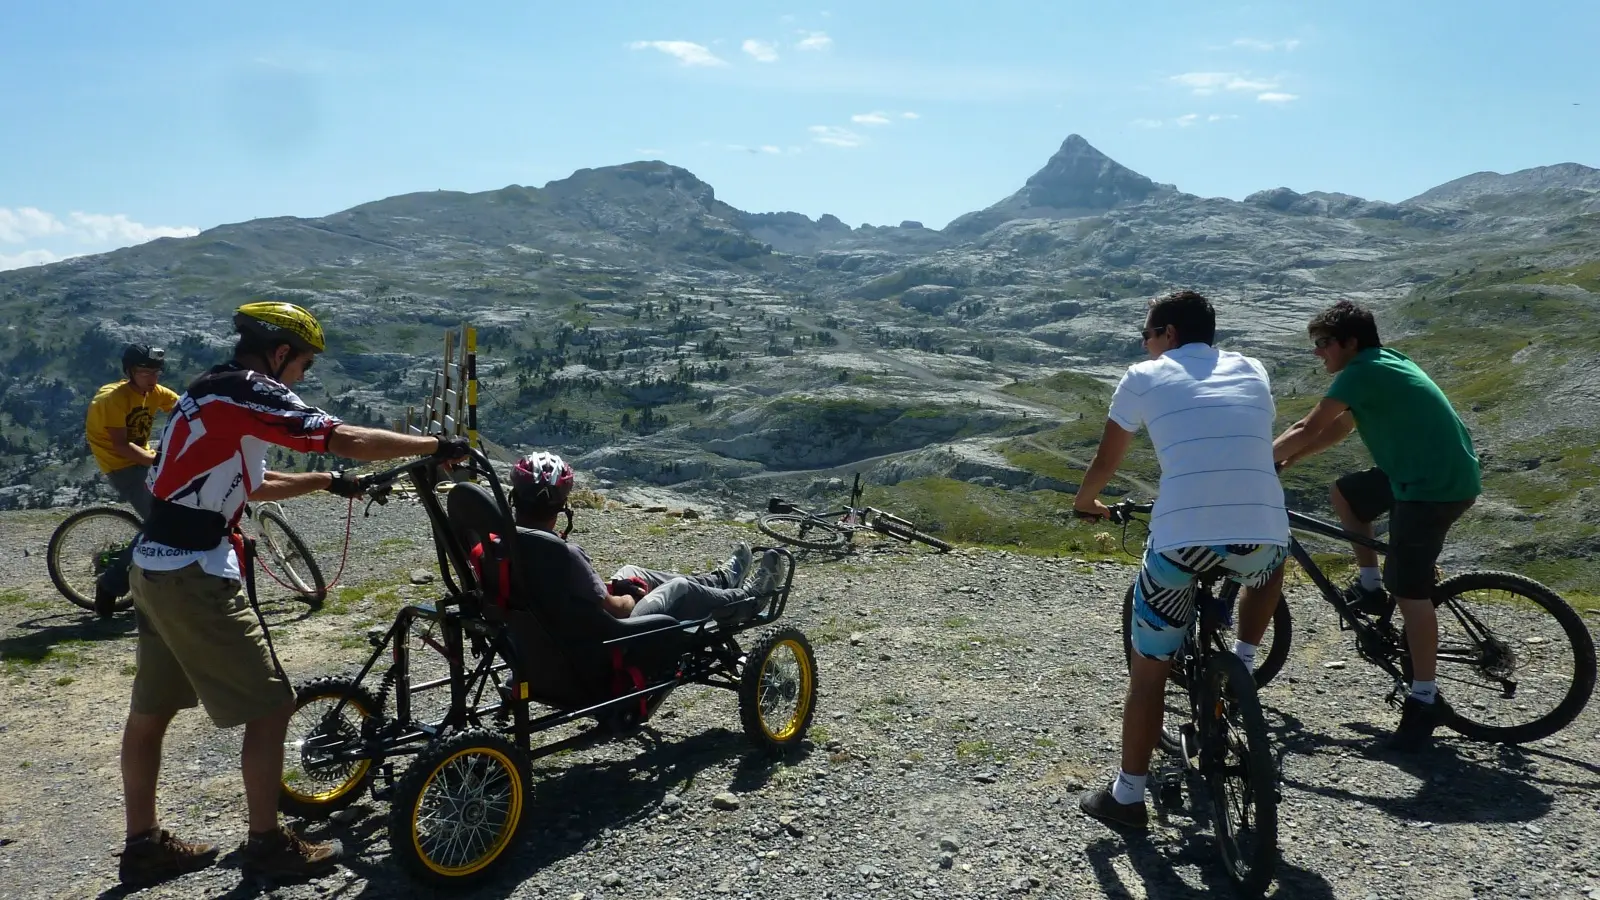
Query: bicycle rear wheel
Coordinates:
[1241,780]
[290,557]
[1515,660]
[801,530]
[901,532]
[82,547]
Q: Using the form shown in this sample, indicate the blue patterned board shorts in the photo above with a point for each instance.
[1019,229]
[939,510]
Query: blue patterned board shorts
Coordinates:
[1163,595]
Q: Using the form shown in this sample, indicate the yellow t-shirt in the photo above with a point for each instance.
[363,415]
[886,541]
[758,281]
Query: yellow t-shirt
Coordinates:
[118,405]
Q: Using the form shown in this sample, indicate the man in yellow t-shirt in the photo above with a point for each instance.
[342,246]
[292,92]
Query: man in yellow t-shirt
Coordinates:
[119,422]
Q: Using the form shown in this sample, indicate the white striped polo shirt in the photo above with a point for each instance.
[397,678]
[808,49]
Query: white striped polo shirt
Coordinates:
[1210,415]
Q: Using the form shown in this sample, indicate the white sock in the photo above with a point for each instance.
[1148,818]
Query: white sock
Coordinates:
[1425,691]
[1371,577]
[1128,788]
[1246,653]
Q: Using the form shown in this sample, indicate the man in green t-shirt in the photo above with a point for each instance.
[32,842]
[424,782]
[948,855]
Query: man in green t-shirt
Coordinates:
[1426,476]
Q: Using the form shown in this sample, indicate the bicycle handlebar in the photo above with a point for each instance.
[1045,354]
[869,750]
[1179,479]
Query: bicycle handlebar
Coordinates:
[1122,512]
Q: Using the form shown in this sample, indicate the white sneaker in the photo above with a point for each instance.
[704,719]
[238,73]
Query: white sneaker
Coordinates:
[737,566]
[765,580]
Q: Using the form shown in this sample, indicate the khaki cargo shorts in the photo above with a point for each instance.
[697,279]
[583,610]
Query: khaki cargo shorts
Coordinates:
[200,642]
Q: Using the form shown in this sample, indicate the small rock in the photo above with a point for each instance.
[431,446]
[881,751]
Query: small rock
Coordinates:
[348,814]
[725,800]
[1335,664]
[985,778]
[946,860]
[905,764]
[690,512]
[611,879]
[421,576]
[671,801]
[949,844]
[855,638]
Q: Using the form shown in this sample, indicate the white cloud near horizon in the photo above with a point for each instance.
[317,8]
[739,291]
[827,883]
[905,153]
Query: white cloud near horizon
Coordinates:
[1204,83]
[910,115]
[1184,121]
[835,136]
[760,51]
[814,40]
[687,53]
[1286,46]
[93,232]
[1277,97]
[871,118]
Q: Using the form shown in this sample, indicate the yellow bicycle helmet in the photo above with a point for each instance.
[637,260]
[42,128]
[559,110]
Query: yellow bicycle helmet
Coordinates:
[276,321]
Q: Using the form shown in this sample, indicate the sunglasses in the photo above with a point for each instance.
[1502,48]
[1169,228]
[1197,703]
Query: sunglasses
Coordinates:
[1322,342]
[1148,333]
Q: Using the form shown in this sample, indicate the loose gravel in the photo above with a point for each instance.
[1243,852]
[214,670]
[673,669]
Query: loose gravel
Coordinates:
[965,700]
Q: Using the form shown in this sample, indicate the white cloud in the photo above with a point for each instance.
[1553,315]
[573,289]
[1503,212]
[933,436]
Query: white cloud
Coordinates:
[1187,119]
[27,258]
[1219,117]
[1147,123]
[1276,97]
[1266,46]
[1204,83]
[770,149]
[814,40]
[85,232]
[909,115]
[834,136]
[760,51]
[26,223]
[871,118]
[687,53]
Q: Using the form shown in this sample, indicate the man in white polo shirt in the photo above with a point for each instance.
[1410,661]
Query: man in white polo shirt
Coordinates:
[1210,416]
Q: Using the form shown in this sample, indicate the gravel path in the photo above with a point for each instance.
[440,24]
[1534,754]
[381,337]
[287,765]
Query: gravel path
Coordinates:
[965,700]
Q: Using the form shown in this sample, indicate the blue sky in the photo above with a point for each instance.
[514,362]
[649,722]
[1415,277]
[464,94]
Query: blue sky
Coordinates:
[126,121]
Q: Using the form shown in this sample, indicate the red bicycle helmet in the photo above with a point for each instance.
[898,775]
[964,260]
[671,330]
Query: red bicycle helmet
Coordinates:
[543,480]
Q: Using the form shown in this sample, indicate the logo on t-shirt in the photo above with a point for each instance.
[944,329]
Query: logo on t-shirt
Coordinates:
[139,421]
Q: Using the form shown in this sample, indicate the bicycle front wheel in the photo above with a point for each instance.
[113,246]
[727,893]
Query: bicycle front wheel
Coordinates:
[1515,660]
[1241,779]
[291,558]
[83,545]
[801,530]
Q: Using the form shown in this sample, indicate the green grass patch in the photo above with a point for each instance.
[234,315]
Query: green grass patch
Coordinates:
[10,596]
[970,751]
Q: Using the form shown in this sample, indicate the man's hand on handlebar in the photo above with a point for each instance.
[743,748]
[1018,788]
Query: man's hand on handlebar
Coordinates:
[346,485]
[1092,510]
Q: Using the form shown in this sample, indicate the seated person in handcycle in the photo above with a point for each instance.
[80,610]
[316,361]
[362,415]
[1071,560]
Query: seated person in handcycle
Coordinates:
[541,484]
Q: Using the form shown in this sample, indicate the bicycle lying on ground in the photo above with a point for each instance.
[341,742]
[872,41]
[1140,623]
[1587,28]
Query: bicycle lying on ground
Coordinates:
[1515,660]
[91,540]
[1223,744]
[836,529]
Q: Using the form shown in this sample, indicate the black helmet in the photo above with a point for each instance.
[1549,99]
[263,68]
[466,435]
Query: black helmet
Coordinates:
[143,355]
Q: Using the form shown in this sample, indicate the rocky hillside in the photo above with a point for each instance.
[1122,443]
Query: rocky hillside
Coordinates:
[665,339]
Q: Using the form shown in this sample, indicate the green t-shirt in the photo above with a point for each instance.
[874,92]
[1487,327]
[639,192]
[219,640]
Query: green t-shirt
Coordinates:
[1408,425]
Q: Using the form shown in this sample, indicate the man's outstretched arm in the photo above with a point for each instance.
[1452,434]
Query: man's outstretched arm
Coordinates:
[1326,425]
[1114,442]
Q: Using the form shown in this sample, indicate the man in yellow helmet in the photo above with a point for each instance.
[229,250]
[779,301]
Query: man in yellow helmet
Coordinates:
[199,642]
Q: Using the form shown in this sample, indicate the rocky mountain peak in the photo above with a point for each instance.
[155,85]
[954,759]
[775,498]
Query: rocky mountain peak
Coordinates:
[1561,176]
[1078,180]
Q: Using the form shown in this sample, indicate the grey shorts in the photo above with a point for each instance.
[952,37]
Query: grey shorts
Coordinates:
[129,483]
[1417,530]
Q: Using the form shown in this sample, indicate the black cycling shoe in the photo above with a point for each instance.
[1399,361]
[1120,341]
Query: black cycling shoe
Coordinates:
[1417,722]
[1099,804]
[1372,601]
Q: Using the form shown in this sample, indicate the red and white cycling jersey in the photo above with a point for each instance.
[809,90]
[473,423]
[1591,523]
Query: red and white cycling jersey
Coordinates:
[214,454]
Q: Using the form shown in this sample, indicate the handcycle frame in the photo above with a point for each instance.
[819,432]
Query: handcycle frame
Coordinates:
[711,655]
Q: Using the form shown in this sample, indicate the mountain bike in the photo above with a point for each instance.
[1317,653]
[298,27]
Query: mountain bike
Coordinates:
[1515,660]
[1222,744]
[836,529]
[90,541]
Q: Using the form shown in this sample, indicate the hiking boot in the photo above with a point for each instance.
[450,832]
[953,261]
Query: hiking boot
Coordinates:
[157,856]
[1417,722]
[737,565]
[765,581]
[1372,601]
[1099,804]
[282,854]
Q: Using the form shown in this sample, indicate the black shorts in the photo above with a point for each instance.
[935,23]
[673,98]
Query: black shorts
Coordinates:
[1417,529]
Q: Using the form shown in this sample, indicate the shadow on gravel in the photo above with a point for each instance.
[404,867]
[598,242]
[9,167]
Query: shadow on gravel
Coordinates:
[1501,791]
[1154,864]
[570,807]
[36,639]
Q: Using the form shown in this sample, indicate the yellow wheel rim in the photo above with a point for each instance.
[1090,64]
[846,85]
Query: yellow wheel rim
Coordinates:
[304,778]
[784,689]
[467,811]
